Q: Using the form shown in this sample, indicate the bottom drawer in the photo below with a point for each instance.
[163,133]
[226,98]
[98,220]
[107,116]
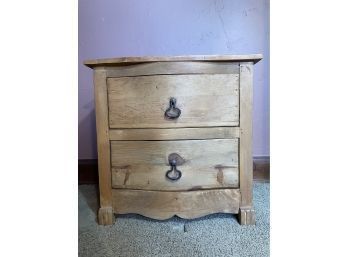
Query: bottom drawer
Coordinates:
[200,164]
[164,205]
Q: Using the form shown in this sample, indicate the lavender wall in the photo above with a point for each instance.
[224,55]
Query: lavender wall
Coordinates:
[112,28]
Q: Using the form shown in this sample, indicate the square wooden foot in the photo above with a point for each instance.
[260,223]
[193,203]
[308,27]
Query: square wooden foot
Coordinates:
[246,216]
[106,216]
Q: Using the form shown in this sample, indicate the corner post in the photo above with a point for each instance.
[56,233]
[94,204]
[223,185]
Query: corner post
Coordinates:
[246,210]
[105,213]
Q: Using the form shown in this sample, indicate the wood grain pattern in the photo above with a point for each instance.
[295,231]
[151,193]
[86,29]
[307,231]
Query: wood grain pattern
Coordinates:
[103,143]
[245,154]
[246,216]
[88,170]
[106,216]
[164,205]
[143,164]
[131,60]
[204,100]
[213,135]
[174,133]
[153,178]
[167,68]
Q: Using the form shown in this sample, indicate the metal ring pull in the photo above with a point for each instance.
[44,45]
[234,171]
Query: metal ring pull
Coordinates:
[172,112]
[173,174]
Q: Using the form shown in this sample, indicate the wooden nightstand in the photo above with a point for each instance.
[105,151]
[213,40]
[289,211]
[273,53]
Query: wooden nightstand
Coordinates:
[175,135]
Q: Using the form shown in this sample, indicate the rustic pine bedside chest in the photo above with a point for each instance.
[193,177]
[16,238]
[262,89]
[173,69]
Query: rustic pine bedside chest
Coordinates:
[175,135]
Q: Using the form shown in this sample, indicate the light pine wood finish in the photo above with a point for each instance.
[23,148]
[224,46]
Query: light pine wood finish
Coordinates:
[101,110]
[247,214]
[106,216]
[213,135]
[174,133]
[191,58]
[143,164]
[204,100]
[164,205]
[170,68]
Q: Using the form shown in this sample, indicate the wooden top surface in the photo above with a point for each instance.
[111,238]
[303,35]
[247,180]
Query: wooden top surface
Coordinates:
[142,59]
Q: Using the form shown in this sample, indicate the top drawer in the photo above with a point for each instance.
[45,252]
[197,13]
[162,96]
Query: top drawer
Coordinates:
[204,100]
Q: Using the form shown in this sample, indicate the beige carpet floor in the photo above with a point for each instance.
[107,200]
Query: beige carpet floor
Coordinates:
[137,236]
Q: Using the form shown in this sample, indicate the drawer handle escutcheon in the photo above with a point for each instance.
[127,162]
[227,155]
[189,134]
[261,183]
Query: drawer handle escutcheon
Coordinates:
[173,174]
[172,112]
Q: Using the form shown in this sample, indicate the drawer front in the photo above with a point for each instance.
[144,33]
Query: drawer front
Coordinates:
[202,163]
[204,100]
